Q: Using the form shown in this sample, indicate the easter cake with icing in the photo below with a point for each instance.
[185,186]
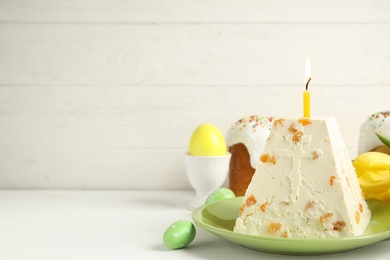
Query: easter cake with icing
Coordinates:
[378,122]
[305,185]
[246,140]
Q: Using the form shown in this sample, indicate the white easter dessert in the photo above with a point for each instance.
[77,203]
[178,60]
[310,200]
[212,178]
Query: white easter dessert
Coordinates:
[378,122]
[305,185]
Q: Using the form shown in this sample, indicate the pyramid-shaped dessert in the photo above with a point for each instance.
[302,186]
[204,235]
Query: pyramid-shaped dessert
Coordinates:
[305,185]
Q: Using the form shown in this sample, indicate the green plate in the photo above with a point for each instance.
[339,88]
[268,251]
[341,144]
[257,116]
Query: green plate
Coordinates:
[219,218]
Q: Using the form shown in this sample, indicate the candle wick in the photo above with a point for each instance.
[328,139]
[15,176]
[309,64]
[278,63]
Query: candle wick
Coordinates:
[307,84]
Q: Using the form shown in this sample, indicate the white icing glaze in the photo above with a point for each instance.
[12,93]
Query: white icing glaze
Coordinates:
[378,122]
[252,131]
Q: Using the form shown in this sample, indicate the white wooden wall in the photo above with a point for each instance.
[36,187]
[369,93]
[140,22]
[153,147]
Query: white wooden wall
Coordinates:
[105,94]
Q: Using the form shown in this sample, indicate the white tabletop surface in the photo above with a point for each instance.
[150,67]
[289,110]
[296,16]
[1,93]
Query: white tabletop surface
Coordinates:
[117,225]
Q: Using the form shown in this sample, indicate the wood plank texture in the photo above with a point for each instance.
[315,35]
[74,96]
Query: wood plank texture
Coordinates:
[162,117]
[51,139]
[182,11]
[106,94]
[92,169]
[205,54]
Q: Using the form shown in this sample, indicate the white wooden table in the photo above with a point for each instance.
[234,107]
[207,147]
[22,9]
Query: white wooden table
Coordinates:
[117,225]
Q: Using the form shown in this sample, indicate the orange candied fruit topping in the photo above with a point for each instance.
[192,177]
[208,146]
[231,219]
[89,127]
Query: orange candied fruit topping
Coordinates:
[278,121]
[331,181]
[265,158]
[325,217]
[309,205]
[304,121]
[241,210]
[272,160]
[357,217]
[360,208]
[273,228]
[251,200]
[264,206]
[315,155]
[338,225]
[297,137]
[292,129]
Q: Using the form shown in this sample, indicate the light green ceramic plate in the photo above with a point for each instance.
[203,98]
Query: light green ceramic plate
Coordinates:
[219,217]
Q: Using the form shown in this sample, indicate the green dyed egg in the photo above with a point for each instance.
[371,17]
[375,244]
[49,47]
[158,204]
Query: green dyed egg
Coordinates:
[180,234]
[220,194]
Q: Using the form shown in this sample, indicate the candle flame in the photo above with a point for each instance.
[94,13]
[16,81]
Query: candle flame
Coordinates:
[307,70]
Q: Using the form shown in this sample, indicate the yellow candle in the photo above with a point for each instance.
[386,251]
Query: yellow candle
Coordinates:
[306,94]
[306,104]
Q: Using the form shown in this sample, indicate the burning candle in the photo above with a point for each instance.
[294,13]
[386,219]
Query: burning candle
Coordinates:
[306,93]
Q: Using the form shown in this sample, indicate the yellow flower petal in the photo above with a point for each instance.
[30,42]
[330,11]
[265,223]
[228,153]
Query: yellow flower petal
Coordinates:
[373,171]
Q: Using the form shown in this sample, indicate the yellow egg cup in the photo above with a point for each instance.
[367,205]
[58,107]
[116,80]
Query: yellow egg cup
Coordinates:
[206,174]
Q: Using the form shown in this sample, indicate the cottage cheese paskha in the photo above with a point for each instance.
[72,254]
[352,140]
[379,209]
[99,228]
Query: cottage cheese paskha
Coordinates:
[305,185]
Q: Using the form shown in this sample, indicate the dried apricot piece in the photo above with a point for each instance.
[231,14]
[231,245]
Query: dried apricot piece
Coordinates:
[278,122]
[297,137]
[292,129]
[266,158]
[331,180]
[241,210]
[250,201]
[309,205]
[357,217]
[263,206]
[273,228]
[338,225]
[324,218]
[272,160]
